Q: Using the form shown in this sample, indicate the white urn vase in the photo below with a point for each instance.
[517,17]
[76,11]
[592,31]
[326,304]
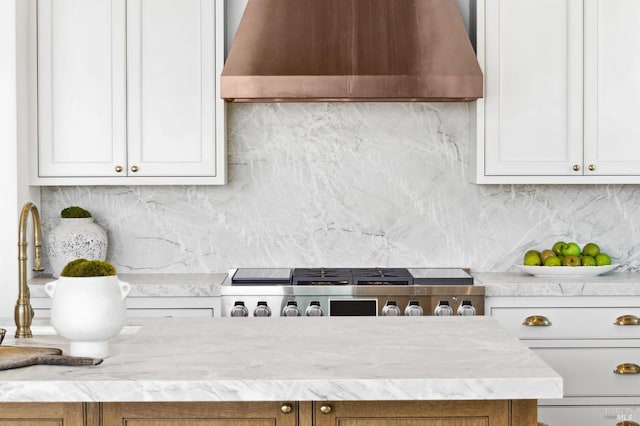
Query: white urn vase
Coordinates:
[88,311]
[75,238]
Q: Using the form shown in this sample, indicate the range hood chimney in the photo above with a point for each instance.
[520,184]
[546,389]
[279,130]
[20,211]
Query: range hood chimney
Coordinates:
[351,50]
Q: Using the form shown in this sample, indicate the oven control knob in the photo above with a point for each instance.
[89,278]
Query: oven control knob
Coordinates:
[291,310]
[466,308]
[314,309]
[443,309]
[239,310]
[413,309]
[391,309]
[262,310]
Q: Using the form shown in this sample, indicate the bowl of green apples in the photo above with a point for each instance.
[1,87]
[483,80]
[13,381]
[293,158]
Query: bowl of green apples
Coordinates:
[567,260]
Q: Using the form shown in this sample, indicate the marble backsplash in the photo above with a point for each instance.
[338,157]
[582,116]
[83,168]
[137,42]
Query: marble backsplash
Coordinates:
[373,184]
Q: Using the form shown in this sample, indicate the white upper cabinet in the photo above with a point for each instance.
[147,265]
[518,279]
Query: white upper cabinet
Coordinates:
[612,87]
[561,99]
[128,92]
[81,87]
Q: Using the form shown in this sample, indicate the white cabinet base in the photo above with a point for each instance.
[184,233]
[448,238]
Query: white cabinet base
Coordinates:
[602,415]
[584,346]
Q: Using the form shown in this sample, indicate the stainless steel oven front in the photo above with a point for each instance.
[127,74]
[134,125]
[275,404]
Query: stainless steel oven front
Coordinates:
[263,298]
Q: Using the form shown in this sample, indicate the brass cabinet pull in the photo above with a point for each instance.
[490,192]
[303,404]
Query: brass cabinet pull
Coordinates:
[542,424]
[592,167]
[286,408]
[134,169]
[627,423]
[118,169]
[536,321]
[576,168]
[627,368]
[627,320]
[325,409]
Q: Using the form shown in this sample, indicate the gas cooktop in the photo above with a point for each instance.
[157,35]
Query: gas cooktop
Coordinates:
[350,276]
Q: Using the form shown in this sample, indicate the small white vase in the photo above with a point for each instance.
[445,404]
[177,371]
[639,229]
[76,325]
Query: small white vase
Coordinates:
[88,311]
[75,238]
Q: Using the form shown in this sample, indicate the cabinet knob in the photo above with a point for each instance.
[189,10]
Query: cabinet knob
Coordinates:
[134,169]
[627,423]
[627,320]
[592,167]
[118,169]
[286,408]
[536,321]
[325,409]
[576,168]
[627,368]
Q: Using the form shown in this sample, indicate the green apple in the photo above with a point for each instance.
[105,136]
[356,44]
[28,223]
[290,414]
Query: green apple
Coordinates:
[590,249]
[572,249]
[545,254]
[603,259]
[558,247]
[552,261]
[571,260]
[588,261]
[532,258]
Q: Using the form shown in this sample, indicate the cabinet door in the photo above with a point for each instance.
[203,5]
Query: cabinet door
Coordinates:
[612,87]
[533,97]
[198,413]
[171,87]
[41,414]
[414,413]
[81,87]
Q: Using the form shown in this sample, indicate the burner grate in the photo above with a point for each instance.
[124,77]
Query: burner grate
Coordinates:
[322,276]
[382,276]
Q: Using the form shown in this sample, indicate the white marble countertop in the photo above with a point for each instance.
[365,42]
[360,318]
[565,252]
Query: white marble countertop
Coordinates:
[154,285]
[510,284]
[506,284]
[257,359]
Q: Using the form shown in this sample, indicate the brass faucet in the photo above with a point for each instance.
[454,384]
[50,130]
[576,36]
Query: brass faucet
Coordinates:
[24,312]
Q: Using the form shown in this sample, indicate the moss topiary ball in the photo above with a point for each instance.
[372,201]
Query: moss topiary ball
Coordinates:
[88,268]
[74,212]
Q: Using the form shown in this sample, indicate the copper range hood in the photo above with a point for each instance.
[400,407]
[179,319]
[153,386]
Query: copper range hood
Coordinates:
[351,50]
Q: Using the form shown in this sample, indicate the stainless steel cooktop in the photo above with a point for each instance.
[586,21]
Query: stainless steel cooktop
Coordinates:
[349,276]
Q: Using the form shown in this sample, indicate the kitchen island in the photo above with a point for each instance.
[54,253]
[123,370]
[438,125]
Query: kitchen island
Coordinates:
[454,366]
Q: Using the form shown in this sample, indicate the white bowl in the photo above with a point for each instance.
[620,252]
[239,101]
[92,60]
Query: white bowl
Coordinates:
[567,271]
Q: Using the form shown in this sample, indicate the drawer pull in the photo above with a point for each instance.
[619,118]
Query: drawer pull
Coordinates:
[627,423]
[627,320]
[537,321]
[286,408]
[627,368]
[325,409]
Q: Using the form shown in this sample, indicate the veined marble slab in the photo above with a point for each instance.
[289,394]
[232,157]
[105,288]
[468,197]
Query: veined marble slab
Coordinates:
[507,284]
[510,284]
[155,285]
[267,359]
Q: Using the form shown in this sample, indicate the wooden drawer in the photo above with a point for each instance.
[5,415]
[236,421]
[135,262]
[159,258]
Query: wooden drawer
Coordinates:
[599,415]
[589,371]
[569,323]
